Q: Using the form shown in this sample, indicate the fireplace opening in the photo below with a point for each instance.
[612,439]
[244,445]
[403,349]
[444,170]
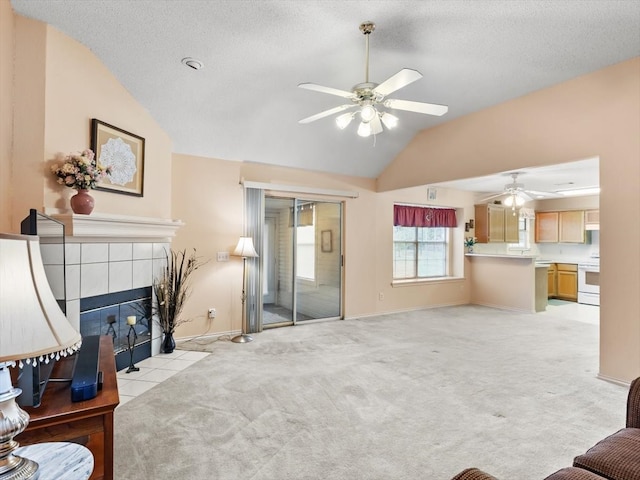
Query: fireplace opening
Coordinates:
[107,315]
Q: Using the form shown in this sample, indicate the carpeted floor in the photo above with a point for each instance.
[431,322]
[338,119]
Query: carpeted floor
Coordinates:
[418,395]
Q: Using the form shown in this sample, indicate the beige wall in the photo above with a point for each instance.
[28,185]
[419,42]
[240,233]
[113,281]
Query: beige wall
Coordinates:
[6,111]
[212,213]
[59,87]
[511,282]
[591,202]
[593,115]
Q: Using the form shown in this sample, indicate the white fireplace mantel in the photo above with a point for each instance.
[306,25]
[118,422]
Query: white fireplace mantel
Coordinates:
[103,227]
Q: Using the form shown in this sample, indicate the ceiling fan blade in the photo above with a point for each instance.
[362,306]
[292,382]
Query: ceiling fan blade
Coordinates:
[329,90]
[418,107]
[401,79]
[541,194]
[326,113]
[491,197]
[376,125]
[526,195]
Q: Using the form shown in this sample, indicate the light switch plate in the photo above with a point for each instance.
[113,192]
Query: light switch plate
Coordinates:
[223,256]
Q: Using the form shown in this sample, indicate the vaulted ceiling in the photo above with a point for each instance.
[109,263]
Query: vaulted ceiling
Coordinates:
[244,103]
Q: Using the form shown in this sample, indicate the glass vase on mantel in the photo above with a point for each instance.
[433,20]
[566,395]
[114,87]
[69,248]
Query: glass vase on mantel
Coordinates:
[82,203]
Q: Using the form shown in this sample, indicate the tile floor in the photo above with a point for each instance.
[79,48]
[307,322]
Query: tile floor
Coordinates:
[573,311]
[153,371]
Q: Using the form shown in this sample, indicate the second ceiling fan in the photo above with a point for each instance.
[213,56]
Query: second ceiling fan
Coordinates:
[370,98]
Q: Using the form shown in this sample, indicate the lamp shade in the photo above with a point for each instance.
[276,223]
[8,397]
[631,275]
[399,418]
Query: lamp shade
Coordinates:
[343,120]
[514,199]
[367,113]
[245,248]
[390,121]
[32,325]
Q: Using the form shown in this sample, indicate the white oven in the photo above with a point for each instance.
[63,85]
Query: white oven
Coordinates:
[589,283]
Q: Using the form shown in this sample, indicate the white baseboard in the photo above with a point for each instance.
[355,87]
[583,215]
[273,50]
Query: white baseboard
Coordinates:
[615,381]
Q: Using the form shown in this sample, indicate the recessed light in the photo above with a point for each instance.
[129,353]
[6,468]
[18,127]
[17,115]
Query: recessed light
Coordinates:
[193,63]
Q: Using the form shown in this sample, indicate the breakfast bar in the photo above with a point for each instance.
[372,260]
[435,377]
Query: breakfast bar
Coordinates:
[512,282]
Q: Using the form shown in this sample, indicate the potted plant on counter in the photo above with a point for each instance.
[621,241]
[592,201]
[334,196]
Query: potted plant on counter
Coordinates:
[469,242]
[172,289]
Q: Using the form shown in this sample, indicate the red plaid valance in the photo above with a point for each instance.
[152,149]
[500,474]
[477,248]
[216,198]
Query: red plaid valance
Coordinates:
[407,216]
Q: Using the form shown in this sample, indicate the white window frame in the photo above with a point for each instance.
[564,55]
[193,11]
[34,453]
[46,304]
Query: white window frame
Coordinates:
[524,227]
[416,278]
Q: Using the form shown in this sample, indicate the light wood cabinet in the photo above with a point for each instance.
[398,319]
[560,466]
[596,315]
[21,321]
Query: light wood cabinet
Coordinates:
[560,227]
[496,224]
[551,281]
[567,281]
[511,225]
[547,227]
[571,226]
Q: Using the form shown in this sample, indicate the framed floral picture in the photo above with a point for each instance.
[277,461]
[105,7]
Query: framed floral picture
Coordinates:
[124,153]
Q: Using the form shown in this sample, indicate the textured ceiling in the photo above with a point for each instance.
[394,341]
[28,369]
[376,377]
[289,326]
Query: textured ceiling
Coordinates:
[245,105]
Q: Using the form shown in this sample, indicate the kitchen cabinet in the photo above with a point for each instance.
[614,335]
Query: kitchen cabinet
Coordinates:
[592,219]
[551,281]
[496,224]
[511,225]
[547,227]
[567,281]
[560,227]
[571,226]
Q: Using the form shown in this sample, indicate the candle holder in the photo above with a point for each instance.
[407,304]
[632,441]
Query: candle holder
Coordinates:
[111,319]
[132,336]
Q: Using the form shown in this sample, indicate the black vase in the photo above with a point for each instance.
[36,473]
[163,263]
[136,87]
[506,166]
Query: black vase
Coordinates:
[169,344]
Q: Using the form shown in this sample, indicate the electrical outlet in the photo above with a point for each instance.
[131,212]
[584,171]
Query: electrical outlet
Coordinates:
[381,296]
[212,313]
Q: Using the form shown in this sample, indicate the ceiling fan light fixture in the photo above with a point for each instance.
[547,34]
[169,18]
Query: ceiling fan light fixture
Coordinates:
[367,95]
[364,130]
[514,199]
[342,121]
[368,113]
[390,121]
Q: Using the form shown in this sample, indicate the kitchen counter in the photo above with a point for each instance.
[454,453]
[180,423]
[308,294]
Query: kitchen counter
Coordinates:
[498,255]
[508,281]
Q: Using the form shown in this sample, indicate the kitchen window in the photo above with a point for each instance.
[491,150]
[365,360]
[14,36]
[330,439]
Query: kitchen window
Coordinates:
[524,226]
[420,252]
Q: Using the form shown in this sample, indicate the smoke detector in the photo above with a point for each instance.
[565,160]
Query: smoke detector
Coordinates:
[192,63]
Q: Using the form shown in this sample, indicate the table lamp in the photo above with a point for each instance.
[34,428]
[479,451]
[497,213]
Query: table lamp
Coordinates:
[244,249]
[32,329]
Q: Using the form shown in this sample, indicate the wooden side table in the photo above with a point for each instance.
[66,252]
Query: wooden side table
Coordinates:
[89,422]
[59,460]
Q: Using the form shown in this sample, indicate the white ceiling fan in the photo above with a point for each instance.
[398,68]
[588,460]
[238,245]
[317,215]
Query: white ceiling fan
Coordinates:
[517,195]
[370,98]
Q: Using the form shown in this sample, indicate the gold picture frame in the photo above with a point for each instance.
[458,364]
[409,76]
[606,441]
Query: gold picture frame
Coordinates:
[326,244]
[124,152]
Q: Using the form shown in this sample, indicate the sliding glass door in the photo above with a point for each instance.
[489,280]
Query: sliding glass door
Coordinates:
[302,261]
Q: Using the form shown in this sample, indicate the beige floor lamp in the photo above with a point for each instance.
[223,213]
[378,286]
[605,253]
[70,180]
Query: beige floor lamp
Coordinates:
[244,249]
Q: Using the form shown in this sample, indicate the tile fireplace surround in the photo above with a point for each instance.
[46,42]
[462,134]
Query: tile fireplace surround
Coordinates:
[109,253]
